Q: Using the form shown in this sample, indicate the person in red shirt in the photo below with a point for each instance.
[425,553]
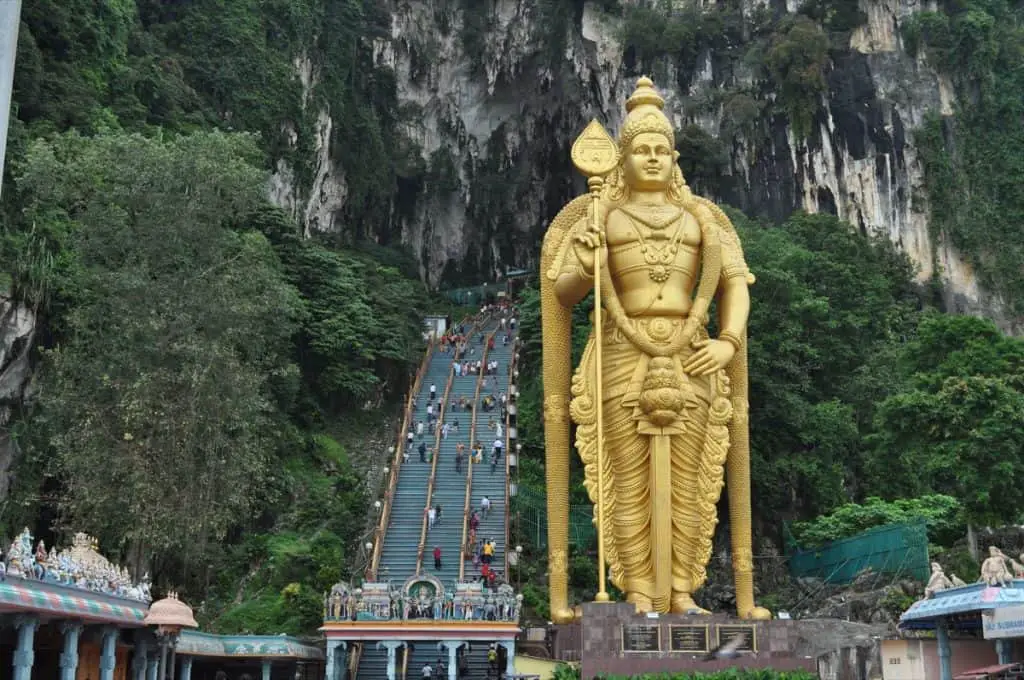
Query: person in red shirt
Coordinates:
[437,557]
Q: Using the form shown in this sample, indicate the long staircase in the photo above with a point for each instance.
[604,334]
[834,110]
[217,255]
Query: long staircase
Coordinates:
[408,542]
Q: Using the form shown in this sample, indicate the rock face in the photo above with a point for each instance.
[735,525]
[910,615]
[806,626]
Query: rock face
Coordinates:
[494,127]
[17,330]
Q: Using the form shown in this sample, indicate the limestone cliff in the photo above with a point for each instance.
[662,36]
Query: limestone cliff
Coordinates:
[494,127]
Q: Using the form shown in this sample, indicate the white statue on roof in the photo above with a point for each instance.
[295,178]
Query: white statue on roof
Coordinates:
[937,581]
[993,569]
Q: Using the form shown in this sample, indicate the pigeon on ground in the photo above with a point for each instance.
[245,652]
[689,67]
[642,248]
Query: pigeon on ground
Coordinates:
[729,649]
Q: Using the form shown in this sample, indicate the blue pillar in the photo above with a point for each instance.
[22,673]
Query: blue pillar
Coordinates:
[266,669]
[510,656]
[453,656]
[141,657]
[69,656]
[186,668]
[1004,650]
[153,665]
[108,655]
[24,655]
[335,662]
[392,647]
[942,636]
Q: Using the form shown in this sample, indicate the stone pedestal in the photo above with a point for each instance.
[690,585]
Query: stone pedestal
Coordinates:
[616,641]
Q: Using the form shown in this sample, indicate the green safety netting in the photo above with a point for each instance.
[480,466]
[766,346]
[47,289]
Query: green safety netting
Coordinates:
[898,550]
[532,512]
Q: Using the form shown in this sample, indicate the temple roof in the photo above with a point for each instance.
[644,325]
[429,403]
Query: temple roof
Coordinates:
[193,643]
[958,602]
[29,595]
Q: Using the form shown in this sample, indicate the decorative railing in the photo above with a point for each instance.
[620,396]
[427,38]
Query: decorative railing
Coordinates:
[396,462]
[470,602]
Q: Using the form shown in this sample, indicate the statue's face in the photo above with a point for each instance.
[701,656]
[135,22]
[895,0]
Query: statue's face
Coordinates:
[648,164]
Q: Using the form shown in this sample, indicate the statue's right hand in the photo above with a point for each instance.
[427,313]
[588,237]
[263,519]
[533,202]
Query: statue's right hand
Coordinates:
[587,242]
[584,247]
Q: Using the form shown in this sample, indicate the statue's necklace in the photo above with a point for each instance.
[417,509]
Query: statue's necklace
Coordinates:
[658,259]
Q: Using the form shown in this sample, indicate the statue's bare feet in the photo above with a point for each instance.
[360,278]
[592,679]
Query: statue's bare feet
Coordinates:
[682,603]
[642,603]
[757,614]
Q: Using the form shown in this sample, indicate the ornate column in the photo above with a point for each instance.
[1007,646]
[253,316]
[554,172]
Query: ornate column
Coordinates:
[510,656]
[186,668]
[453,656]
[266,669]
[108,653]
[335,666]
[942,637]
[392,646]
[139,658]
[72,630]
[24,654]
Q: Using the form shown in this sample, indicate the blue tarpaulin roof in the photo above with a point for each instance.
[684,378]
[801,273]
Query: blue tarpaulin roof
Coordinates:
[970,599]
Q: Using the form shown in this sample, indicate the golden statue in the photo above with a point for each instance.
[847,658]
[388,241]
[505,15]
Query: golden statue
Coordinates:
[660,408]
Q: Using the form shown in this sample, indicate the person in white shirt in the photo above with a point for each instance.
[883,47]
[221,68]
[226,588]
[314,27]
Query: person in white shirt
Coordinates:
[498,445]
[431,517]
[485,506]
[427,670]
[433,390]
[498,432]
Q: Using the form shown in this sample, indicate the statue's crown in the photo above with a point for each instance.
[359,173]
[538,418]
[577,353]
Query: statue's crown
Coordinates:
[645,94]
[645,114]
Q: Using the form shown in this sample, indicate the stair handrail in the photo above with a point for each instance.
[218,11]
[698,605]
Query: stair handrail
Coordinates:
[469,461]
[512,383]
[353,660]
[389,494]
[441,413]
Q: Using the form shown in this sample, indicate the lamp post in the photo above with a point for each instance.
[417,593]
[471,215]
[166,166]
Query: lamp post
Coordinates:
[169,616]
[10,13]
[519,568]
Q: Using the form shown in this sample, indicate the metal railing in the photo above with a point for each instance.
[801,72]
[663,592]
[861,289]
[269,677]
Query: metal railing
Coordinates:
[469,475]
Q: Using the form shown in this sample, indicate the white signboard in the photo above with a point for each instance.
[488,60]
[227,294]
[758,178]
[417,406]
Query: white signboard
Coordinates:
[1003,623]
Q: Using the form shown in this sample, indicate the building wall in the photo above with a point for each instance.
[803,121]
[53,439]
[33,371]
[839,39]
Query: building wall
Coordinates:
[919,659]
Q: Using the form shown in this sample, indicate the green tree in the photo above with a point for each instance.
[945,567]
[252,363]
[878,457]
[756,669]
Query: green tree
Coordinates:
[941,514]
[160,402]
[958,426]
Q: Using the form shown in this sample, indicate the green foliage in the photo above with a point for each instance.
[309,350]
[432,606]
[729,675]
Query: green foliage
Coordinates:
[975,180]
[177,333]
[826,305]
[795,60]
[567,672]
[940,513]
[958,424]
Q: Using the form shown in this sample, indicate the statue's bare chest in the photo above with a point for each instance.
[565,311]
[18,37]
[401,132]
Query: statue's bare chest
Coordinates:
[653,229]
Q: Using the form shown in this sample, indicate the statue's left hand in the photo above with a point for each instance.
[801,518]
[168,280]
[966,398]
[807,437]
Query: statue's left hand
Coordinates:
[711,355]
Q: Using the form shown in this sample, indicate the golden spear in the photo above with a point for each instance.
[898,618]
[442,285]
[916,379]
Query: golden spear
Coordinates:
[595,155]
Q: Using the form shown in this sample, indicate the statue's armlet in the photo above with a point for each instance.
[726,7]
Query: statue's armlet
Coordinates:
[734,265]
[572,282]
